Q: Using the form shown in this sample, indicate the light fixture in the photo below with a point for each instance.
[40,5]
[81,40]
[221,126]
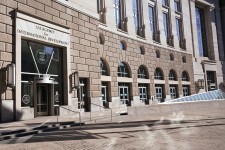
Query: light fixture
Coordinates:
[11,76]
[76,80]
[200,83]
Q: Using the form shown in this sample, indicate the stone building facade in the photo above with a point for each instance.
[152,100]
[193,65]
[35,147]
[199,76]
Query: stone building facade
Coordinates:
[126,53]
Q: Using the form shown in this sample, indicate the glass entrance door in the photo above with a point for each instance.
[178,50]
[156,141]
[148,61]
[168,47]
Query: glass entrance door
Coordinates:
[42,100]
[123,92]
[104,96]
[159,92]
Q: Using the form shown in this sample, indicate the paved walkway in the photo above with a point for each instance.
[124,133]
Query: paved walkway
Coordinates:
[201,130]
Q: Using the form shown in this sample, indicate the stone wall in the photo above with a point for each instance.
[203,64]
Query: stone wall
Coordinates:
[111,52]
[162,109]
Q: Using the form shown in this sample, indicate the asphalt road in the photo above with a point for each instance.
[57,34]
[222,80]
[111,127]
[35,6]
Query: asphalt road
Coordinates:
[196,130]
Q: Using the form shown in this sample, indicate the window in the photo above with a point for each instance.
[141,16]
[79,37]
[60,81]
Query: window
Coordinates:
[153,20]
[104,70]
[177,6]
[117,12]
[123,45]
[151,12]
[173,91]
[82,101]
[171,57]
[101,10]
[165,24]
[211,80]
[179,24]
[159,92]
[178,27]
[185,76]
[172,75]
[186,91]
[135,15]
[40,59]
[124,93]
[201,31]
[143,92]
[138,18]
[123,70]
[101,39]
[142,50]
[184,59]
[105,92]
[142,73]
[157,54]
[165,3]
[120,14]
[158,74]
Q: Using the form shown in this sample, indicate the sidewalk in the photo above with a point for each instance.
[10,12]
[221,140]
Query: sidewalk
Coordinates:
[199,129]
[98,117]
[86,117]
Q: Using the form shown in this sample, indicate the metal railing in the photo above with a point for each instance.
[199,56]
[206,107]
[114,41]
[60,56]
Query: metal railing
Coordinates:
[101,107]
[68,110]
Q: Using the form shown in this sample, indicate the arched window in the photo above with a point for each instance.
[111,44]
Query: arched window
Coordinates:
[142,72]
[158,74]
[142,50]
[185,76]
[104,69]
[157,53]
[123,45]
[123,70]
[101,39]
[184,59]
[171,57]
[172,75]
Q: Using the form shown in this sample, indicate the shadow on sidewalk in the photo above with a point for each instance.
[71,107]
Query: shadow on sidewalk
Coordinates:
[101,131]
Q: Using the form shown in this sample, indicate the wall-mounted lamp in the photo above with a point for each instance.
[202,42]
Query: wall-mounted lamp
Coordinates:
[224,83]
[200,83]
[11,75]
[76,82]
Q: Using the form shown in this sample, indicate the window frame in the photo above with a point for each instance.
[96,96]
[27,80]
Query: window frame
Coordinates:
[142,72]
[201,32]
[101,9]
[143,92]
[152,18]
[137,10]
[185,76]
[123,70]
[165,3]
[173,91]
[177,8]
[186,90]
[124,87]
[166,24]
[158,75]
[178,27]
[172,75]
[117,12]
[104,69]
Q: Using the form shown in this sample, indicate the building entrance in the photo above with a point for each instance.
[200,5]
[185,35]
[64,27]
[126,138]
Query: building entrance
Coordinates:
[42,77]
[45,96]
[42,100]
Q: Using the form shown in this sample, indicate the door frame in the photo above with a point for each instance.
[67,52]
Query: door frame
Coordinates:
[46,87]
[50,82]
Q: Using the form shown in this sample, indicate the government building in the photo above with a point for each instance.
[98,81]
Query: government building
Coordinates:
[83,54]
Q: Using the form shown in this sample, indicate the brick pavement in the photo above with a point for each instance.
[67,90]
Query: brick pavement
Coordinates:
[204,129]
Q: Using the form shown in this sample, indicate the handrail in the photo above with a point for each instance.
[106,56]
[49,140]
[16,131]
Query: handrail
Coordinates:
[102,107]
[68,110]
